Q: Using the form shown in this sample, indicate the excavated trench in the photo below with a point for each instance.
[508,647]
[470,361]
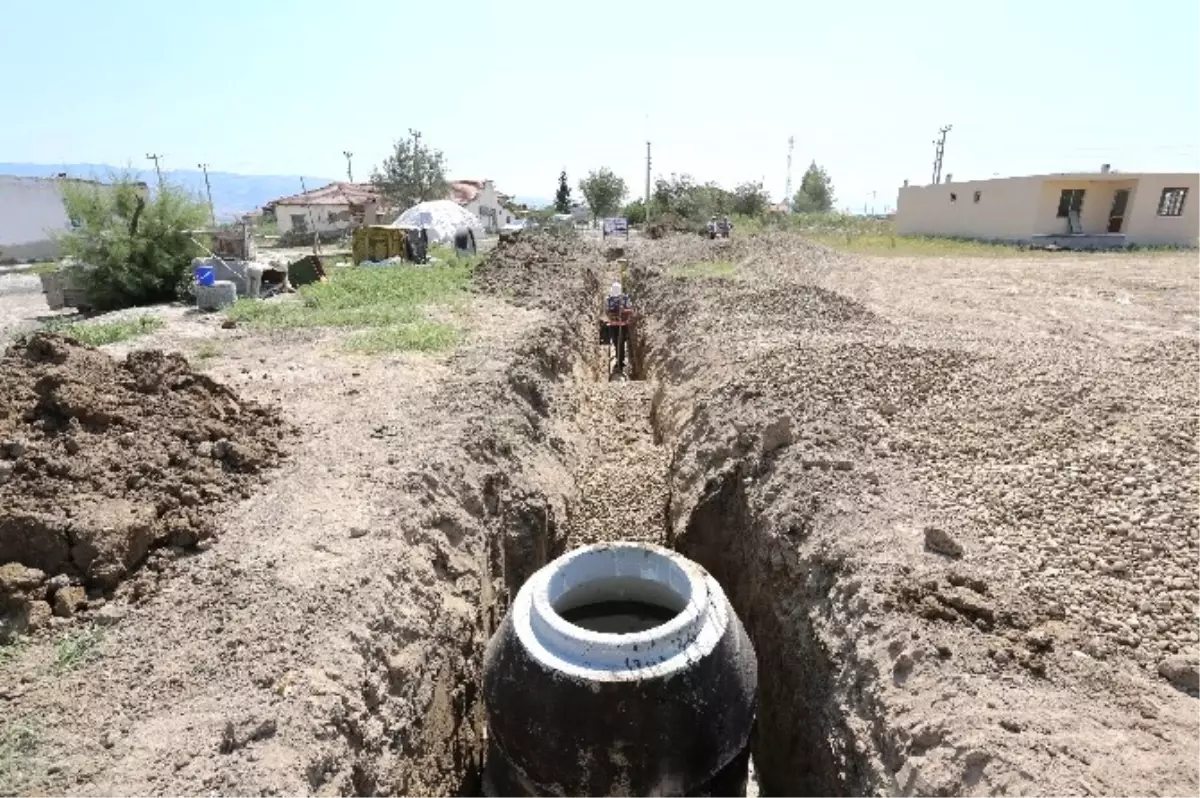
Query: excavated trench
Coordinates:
[613,480]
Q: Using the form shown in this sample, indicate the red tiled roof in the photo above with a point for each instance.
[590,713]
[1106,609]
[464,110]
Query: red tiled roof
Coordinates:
[465,191]
[333,194]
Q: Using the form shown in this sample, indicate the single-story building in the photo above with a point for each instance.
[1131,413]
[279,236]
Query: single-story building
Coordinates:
[481,198]
[31,213]
[337,206]
[1104,209]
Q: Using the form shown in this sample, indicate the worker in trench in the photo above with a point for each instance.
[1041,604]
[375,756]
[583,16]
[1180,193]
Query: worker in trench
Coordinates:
[617,326]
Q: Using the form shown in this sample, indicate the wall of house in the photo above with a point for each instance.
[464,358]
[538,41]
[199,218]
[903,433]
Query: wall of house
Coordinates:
[1004,211]
[1096,208]
[324,217]
[31,209]
[486,206]
[1143,225]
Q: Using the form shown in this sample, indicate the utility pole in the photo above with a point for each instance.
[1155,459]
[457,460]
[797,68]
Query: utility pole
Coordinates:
[417,165]
[153,156]
[787,186]
[203,167]
[647,182]
[940,144]
[349,171]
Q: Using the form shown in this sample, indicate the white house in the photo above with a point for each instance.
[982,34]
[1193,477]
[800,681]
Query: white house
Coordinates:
[31,212]
[481,198]
[1104,209]
[337,206]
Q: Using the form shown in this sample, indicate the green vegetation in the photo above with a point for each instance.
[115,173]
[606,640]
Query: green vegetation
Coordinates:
[413,173]
[816,191]
[714,269]
[75,649]
[562,196]
[205,353]
[137,249]
[389,300]
[18,739]
[604,191]
[866,236]
[105,332]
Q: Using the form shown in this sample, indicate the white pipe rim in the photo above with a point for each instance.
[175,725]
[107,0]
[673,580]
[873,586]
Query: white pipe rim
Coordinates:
[701,620]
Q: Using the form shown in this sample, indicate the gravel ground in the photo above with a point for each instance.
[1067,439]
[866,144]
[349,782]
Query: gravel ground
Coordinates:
[976,477]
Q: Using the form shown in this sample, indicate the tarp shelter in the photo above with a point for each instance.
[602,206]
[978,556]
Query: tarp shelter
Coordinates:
[441,220]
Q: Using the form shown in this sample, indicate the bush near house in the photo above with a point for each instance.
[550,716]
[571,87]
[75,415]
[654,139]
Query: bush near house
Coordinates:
[130,249]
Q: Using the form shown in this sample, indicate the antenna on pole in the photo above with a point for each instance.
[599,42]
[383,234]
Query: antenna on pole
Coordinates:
[349,171]
[153,156]
[787,186]
[939,153]
[203,167]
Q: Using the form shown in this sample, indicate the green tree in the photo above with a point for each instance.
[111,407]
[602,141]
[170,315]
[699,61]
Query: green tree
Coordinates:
[749,199]
[130,249]
[816,191]
[562,197]
[603,191]
[413,173]
[635,212]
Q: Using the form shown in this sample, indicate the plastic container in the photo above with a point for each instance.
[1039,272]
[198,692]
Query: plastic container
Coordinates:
[205,275]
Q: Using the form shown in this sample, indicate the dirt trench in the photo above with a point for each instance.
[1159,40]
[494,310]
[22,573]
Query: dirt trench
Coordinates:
[607,472]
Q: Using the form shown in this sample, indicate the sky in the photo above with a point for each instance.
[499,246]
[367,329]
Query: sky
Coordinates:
[519,91]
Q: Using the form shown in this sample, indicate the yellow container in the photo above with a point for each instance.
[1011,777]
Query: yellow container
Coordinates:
[376,243]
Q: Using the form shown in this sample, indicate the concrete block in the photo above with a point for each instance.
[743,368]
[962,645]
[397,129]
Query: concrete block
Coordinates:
[220,294]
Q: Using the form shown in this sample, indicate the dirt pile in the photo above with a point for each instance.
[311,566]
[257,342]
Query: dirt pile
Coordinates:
[102,461]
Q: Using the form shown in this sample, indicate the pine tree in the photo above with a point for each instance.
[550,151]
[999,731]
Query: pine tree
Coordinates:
[562,197]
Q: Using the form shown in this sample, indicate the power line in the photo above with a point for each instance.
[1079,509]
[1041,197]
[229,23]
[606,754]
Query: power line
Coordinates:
[939,153]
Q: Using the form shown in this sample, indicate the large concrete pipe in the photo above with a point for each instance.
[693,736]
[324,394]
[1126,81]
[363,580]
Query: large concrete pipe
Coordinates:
[620,669]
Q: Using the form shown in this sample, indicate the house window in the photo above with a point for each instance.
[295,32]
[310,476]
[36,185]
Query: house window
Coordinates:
[1171,202]
[1071,199]
[953,197]
[978,195]
[299,223]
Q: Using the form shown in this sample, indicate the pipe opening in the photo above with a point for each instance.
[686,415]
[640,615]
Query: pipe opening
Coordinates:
[619,594]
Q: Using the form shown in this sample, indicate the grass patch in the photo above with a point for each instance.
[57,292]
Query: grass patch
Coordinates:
[10,652]
[44,268]
[386,299]
[19,737]
[422,335]
[75,649]
[712,269]
[872,243]
[205,353]
[105,332]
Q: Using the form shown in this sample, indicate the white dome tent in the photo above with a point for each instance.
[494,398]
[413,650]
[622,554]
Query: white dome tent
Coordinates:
[445,218]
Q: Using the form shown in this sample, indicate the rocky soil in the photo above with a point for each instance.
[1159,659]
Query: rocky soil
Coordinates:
[953,501]
[102,461]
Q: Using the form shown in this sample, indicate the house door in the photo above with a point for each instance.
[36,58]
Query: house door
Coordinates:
[1116,217]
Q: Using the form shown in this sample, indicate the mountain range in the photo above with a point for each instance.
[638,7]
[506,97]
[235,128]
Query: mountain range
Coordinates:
[232,194]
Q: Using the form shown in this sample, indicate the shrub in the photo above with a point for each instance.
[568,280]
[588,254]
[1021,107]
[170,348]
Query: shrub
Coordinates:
[130,250]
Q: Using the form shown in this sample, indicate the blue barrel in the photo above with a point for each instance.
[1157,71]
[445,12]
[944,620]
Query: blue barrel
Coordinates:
[205,275]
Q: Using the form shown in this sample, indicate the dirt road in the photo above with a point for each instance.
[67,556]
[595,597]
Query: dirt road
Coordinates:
[953,501]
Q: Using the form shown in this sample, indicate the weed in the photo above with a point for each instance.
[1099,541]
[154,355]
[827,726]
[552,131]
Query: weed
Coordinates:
[870,243]
[105,332]
[419,336]
[10,651]
[18,739]
[388,299]
[715,269]
[75,649]
[205,353]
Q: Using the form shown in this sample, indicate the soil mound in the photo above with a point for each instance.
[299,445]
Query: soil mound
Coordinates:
[102,460]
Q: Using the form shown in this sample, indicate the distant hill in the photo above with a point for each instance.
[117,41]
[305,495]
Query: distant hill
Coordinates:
[232,194]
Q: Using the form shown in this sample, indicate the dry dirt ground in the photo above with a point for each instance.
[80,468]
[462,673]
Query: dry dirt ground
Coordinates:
[954,502]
